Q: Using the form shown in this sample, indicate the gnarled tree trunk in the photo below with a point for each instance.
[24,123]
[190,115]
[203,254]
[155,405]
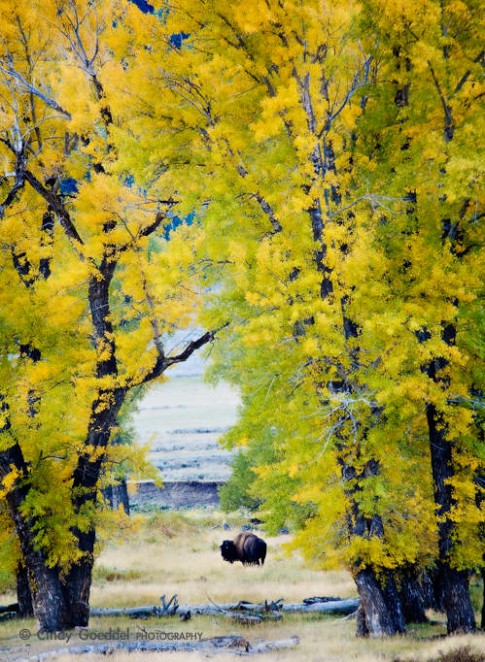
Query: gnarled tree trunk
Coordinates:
[412,598]
[24,596]
[381,613]
[454,583]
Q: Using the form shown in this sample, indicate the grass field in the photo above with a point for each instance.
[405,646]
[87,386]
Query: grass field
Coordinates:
[171,552]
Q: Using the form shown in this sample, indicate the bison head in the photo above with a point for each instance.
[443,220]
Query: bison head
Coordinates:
[229,551]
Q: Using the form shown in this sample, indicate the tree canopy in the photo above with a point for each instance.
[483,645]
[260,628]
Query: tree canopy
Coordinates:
[90,289]
[313,169]
[346,171]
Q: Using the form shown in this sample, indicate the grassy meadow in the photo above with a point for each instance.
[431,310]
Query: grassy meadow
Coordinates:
[174,552]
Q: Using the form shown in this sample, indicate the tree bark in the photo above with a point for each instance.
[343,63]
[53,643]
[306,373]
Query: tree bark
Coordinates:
[78,582]
[361,625]
[411,596]
[24,596]
[453,583]
[382,614]
[51,607]
[482,624]
[432,591]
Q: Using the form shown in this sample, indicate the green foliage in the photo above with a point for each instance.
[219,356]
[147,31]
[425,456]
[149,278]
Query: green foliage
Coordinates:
[235,493]
[7,581]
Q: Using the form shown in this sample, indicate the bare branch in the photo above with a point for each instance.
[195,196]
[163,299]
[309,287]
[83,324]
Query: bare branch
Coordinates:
[360,79]
[60,210]
[17,186]
[268,210]
[194,345]
[480,59]
[449,128]
[163,362]
[149,229]
[32,89]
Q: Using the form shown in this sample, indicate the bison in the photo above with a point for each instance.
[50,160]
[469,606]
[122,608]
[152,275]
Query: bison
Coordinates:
[246,547]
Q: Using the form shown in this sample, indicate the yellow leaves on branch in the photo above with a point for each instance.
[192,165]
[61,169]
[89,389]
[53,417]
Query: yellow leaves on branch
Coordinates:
[252,16]
[9,481]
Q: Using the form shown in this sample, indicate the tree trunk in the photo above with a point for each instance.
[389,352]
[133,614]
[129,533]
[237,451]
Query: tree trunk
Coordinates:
[24,596]
[482,624]
[79,579]
[456,592]
[117,495]
[432,591]
[382,614]
[453,583]
[51,608]
[60,602]
[361,630]
[411,596]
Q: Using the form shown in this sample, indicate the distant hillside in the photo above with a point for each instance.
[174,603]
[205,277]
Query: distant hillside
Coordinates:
[183,418]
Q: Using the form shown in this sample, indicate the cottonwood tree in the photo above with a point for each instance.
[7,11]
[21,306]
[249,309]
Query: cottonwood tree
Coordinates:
[326,202]
[434,62]
[89,289]
[281,155]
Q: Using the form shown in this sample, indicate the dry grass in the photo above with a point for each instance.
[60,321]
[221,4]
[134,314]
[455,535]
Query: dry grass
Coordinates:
[190,565]
[174,553]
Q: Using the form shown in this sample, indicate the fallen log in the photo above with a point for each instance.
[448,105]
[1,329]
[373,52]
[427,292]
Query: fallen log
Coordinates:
[13,607]
[333,606]
[236,644]
[166,609]
[249,617]
[243,612]
[337,606]
[8,615]
[133,612]
[8,612]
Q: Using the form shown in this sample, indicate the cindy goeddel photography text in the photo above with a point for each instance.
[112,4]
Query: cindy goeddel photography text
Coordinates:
[111,634]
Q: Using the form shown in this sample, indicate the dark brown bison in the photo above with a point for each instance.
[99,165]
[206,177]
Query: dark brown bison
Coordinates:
[246,547]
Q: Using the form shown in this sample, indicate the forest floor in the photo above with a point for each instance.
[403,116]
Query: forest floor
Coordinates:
[178,553]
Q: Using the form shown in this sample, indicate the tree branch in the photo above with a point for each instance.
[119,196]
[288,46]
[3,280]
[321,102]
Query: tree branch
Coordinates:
[163,362]
[32,89]
[449,128]
[55,203]
[480,59]
[149,229]
[358,81]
